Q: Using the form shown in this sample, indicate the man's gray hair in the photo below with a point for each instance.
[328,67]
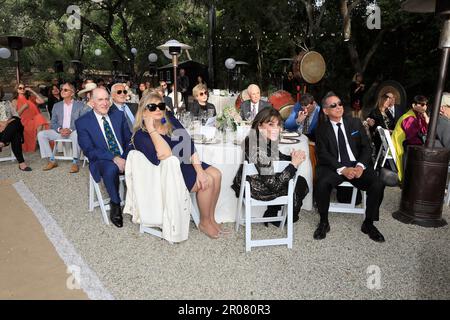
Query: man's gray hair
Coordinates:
[115,85]
[325,98]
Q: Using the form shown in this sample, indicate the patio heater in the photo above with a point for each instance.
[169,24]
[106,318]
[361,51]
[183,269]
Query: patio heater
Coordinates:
[16,43]
[174,47]
[426,166]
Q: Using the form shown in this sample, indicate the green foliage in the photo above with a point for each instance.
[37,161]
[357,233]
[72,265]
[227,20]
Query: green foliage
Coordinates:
[256,31]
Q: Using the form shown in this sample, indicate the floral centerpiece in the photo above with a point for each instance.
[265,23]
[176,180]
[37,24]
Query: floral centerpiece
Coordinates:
[229,119]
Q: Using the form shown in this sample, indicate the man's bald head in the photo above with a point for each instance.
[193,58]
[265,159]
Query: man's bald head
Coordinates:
[100,101]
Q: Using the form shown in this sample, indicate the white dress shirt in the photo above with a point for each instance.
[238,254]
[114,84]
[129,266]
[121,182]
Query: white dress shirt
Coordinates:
[100,123]
[349,150]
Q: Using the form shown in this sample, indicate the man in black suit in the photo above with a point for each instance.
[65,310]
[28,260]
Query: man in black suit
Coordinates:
[394,111]
[344,154]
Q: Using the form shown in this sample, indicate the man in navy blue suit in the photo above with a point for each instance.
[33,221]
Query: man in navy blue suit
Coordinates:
[103,138]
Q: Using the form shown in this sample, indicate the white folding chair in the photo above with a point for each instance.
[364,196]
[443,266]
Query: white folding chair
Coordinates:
[96,198]
[84,158]
[387,150]
[158,233]
[66,145]
[349,207]
[245,197]
[8,158]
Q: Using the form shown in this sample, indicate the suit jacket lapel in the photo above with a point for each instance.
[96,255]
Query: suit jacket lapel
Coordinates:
[98,131]
[116,126]
[333,139]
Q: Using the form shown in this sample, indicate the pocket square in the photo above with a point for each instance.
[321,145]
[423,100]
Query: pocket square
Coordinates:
[354,133]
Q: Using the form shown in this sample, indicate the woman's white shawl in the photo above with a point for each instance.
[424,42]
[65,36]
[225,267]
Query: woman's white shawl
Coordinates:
[157,195]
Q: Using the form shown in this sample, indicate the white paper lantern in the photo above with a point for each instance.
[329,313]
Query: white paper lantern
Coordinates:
[152,57]
[230,63]
[133,51]
[98,52]
[5,53]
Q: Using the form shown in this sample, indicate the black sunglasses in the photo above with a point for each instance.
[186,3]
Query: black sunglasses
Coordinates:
[120,91]
[153,106]
[422,104]
[334,105]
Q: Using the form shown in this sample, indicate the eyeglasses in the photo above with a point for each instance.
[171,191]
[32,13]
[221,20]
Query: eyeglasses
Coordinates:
[21,88]
[423,104]
[153,106]
[334,105]
[66,90]
[120,91]
[201,94]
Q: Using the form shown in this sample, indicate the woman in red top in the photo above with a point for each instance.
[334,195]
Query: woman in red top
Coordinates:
[30,116]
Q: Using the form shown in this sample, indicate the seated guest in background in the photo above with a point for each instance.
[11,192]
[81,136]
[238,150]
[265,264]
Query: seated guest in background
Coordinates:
[30,116]
[250,108]
[167,100]
[378,117]
[141,90]
[200,93]
[163,85]
[11,132]
[181,104]
[443,124]
[154,133]
[344,154]
[54,96]
[86,96]
[103,137]
[304,117]
[394,111]
[411,129]
[65,113]
[201,81]
[261,149]
[119,97]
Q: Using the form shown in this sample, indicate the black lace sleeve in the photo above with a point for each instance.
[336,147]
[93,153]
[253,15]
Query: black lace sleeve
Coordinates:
[264,166]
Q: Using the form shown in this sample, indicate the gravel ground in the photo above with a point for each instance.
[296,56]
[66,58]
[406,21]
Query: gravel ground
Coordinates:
[414,262]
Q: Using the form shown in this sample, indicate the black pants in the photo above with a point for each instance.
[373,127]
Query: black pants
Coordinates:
[13,134]
[327,179]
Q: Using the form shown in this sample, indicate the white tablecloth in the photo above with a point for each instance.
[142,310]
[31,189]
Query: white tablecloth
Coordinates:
[227,157]
[220,102]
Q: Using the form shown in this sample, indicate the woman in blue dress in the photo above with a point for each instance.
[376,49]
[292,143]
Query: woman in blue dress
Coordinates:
[159,135]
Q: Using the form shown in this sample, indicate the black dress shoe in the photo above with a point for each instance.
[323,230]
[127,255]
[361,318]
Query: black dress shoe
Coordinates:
[372,231]
[115,214]
[322,229]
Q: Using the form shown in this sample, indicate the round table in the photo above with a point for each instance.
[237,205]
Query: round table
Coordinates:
[227,157]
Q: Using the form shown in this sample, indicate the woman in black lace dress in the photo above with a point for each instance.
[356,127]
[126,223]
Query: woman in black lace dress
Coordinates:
[261,149]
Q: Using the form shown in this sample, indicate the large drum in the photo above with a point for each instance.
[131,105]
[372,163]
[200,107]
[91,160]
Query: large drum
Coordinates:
[309,66]
[243,96]
[283,102]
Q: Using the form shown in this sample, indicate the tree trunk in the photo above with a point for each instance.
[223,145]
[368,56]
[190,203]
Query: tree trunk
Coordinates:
[211,41]
[260,59]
